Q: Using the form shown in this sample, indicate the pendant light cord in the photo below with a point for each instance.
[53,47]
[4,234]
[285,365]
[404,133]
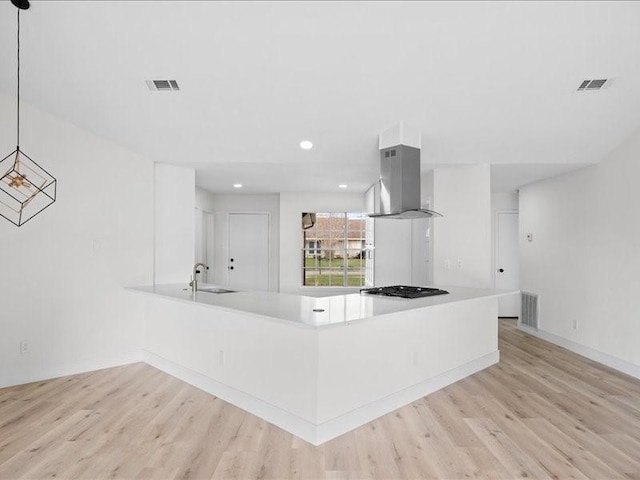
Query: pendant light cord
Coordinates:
[18,105]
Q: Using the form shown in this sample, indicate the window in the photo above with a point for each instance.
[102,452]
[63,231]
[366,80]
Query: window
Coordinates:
[314,247]
[334,251]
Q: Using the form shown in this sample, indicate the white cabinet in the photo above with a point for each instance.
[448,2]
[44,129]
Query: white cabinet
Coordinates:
[402,252]
[393,252]
[372,198]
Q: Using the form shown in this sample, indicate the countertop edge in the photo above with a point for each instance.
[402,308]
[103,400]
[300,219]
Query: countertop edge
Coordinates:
[145,290]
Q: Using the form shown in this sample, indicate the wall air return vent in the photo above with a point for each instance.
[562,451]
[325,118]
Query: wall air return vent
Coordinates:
[529,316]
[588,85]
[163,85]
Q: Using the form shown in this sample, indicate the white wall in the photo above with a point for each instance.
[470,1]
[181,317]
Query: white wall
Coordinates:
[220,205]
[504,201]
[291,207]
[584,260]
[462,238]
[61,287]
[174,227]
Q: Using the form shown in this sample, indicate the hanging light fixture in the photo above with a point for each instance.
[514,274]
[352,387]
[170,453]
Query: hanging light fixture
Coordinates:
[26,188]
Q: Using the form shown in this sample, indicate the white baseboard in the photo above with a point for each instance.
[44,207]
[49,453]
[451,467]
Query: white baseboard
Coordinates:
[290,422]
[57,371]
[307,429]
[595,355]
[356,418]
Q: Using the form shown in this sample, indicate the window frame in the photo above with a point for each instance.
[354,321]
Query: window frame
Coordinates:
[323,247]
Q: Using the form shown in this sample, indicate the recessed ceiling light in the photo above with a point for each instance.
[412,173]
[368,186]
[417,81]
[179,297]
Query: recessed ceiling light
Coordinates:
[237,185]
[306,145]
[342,185]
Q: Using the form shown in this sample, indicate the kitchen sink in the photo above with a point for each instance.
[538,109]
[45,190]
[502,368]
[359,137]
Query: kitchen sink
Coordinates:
[215,290]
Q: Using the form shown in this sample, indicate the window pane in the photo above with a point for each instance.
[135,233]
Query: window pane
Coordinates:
[324,278]
[312,261]
[334,250]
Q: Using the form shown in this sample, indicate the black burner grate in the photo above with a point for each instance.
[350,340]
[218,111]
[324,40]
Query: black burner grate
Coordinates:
[403,291]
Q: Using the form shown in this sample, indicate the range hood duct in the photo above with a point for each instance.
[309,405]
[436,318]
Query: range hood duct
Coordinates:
[400,185]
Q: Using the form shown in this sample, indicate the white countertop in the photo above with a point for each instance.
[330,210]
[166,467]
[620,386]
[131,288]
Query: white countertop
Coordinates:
[336,309]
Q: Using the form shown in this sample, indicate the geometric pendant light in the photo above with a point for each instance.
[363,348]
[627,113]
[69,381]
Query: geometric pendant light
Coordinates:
[26,188]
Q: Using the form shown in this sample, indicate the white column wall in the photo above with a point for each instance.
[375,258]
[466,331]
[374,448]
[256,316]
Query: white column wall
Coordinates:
[174,216]
[462,238]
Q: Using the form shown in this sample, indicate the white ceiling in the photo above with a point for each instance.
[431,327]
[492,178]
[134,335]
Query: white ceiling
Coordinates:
[484,82]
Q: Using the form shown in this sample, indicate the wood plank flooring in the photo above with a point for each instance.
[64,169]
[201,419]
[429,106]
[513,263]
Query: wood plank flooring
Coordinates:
[543,412]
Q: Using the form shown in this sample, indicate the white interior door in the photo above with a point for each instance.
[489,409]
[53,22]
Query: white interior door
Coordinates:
[248,252]
[507,264]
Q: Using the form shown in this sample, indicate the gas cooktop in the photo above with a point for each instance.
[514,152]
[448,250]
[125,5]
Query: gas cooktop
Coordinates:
[403,291]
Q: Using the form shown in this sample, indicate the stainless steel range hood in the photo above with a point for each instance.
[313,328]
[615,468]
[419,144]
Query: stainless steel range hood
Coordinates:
[400,184]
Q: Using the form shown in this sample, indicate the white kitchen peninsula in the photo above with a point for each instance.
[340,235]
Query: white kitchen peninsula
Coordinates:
[319,367]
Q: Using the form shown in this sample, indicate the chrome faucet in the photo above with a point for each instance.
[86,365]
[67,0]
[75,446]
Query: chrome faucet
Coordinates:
[194,282]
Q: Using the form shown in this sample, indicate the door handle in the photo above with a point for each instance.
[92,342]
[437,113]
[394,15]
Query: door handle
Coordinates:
[501,270]
[231,259]
[231,267]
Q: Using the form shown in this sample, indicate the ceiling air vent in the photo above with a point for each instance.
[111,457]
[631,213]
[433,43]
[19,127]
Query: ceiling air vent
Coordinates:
[163,85]
[593,84]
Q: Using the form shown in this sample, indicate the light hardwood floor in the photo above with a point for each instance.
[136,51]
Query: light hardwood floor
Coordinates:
[543,412]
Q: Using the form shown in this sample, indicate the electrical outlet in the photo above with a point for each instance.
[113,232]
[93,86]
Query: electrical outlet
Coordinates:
[447,264]
[24,347]
[459,264]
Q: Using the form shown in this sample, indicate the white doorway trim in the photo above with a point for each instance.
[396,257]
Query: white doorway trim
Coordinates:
[204,241]
[228,242]
[208,235]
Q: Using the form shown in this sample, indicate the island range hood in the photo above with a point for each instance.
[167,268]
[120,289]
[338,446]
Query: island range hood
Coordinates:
[400,176]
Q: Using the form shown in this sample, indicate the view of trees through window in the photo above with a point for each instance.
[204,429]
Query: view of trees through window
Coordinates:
[334,250]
